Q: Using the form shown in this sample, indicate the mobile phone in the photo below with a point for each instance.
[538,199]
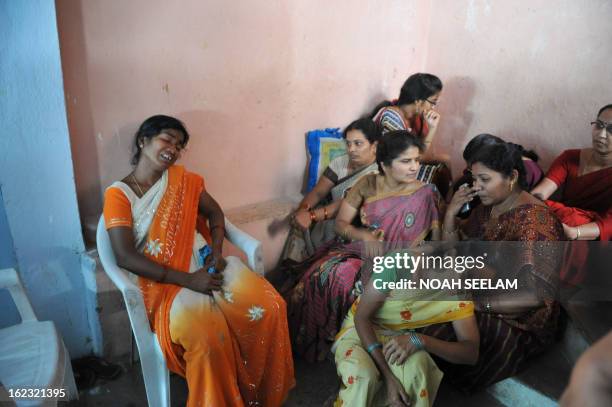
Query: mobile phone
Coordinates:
[467,207]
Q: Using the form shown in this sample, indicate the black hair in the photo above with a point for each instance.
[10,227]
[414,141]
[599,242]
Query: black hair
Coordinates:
[419,86]
[370,130]
[532,155]
[606,107]
[392,144]
[477,143]
[503,158]
[154,126]
[486,139]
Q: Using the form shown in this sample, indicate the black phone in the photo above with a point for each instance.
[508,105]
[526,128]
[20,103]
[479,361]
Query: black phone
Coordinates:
[468,207]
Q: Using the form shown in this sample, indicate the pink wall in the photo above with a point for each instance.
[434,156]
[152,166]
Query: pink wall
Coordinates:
[535,72]
[248,78]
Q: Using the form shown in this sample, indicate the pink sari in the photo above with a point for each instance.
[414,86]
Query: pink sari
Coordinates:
[335,274]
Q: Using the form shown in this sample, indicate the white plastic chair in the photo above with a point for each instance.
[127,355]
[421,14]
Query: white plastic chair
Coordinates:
[154,370]
[32,353]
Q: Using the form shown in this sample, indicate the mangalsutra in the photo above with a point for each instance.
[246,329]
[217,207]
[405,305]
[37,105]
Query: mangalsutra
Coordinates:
[138,185]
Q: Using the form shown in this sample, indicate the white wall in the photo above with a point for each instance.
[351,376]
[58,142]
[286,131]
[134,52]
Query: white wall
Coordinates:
[37,177]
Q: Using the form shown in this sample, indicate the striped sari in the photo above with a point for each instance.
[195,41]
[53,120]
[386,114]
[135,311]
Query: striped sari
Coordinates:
[431,172]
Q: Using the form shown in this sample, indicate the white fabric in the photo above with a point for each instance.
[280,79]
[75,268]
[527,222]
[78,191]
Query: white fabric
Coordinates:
[143,212]
[32,354]
[143,208]
[340,166]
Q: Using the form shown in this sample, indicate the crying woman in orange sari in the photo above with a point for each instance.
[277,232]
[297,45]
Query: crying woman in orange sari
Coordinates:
[225,330]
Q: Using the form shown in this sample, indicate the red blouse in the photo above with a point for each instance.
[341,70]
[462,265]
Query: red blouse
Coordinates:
[586,198]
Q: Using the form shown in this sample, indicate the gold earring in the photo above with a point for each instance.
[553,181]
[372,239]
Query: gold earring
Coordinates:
[511,185]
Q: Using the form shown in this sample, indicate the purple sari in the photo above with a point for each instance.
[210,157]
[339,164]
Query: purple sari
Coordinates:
[325,292]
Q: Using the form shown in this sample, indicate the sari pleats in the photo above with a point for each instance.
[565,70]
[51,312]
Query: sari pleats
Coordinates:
[233,346]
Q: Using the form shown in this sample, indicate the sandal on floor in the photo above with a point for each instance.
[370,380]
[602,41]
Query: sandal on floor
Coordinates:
[101,368]
[85,378]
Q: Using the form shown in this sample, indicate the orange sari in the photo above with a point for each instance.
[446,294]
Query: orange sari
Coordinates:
[224,343]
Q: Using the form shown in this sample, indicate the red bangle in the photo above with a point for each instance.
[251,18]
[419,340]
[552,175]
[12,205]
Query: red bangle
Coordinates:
[304,206]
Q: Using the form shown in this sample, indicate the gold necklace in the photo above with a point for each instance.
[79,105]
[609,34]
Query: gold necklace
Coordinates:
[138,185]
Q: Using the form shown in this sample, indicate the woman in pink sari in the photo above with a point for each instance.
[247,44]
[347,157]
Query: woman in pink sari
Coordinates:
[394,209]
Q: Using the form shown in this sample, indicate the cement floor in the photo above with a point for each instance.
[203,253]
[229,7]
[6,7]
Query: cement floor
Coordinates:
[316,387]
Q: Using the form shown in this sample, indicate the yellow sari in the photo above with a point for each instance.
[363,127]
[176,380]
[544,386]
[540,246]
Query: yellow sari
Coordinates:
[401,312]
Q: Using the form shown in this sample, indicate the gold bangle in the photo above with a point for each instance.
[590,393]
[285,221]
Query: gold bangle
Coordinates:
[313,216]
[345,234]
[449,231]
[325,214]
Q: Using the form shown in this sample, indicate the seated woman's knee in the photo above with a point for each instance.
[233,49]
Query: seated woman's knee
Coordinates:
[356,365]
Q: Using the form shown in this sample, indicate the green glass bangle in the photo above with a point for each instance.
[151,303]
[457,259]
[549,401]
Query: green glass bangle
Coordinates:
[374,346]
[416,341]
